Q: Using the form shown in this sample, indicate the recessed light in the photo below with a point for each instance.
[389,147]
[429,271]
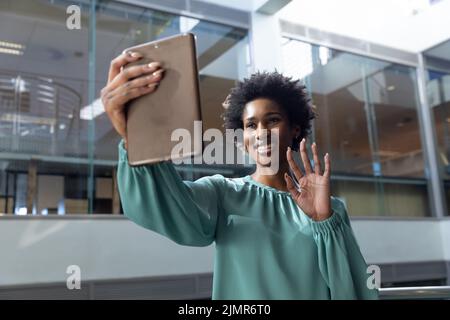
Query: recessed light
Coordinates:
[11,51]
[11,45]
[391,88]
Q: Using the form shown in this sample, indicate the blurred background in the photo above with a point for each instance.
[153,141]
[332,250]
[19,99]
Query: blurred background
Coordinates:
[378,73]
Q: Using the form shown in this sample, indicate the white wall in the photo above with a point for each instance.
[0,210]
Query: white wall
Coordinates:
[39,250]
[36,250]
[445,234]
[394,241]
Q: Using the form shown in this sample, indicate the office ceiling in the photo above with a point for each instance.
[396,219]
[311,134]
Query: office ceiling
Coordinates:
[410,25]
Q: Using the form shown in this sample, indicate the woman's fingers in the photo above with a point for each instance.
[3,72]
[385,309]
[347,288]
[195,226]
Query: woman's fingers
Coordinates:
[114,99]
[133,72]
[297,172]
[122,95]
[121,60]
[317,169]
[304,156]
[143,81]
[291,186]
[327,166]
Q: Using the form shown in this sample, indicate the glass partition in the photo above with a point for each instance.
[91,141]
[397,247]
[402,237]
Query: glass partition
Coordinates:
[437,60]
[58,150]
[368,122]
[43,85]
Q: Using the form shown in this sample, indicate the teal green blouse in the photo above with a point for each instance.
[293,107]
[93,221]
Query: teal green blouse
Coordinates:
[266,246]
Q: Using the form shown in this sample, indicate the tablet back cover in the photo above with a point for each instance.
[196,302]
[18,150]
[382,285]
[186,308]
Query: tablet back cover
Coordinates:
[152,118]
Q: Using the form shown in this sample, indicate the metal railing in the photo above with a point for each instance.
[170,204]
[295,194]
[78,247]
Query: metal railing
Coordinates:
[38,115]
[415,293]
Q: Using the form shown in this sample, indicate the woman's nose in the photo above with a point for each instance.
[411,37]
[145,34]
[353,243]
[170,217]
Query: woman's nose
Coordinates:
[262,132]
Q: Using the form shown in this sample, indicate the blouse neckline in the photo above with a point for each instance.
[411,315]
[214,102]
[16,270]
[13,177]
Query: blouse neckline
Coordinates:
[250,180]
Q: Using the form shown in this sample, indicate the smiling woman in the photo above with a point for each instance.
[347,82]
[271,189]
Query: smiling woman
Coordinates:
[274,239]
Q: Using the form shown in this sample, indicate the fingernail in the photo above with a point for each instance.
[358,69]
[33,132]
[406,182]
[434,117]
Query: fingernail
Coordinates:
[151,85]
[154,64]
[157,73]
[135,54]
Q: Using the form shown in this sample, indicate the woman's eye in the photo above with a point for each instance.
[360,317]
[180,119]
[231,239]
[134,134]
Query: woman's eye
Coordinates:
[274,120]
[251,125]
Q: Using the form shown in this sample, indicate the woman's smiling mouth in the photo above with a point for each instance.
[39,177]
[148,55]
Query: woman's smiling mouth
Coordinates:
[264,149]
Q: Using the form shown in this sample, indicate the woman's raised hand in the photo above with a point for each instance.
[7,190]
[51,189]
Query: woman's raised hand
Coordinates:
[313,196]
[126,84]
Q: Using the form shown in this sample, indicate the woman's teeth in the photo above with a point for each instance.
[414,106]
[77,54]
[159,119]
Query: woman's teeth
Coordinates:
[263,149]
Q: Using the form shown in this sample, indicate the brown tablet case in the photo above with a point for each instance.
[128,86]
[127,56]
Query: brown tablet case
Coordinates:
[152,118]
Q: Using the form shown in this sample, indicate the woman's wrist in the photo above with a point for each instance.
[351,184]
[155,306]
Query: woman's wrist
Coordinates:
[323,217]
[329,223]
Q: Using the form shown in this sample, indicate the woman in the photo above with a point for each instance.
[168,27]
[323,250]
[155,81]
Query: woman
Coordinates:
[273,239]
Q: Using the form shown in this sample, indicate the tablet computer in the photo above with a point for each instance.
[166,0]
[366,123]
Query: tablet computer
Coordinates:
[156,121]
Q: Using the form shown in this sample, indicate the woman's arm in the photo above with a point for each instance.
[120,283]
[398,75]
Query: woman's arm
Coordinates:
[340,260]
[155,197]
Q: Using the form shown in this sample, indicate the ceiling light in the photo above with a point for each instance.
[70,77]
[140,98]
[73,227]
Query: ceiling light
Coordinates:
[11,51]
[11,45]
[391,88]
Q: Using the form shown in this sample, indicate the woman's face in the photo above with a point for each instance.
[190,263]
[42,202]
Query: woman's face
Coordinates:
[267,130]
